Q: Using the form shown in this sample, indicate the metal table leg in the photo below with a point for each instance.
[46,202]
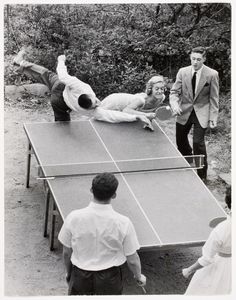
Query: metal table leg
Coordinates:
[47,201]
[53,222]
[29,152]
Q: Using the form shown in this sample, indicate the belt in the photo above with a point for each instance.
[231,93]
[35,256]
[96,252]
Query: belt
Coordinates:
[224,254]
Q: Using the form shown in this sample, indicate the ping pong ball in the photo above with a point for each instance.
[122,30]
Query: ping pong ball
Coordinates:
[167,107]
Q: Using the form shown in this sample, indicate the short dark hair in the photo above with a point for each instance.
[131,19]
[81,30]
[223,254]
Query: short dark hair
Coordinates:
[104,186]
[200,50]
[84,101]
[228,197]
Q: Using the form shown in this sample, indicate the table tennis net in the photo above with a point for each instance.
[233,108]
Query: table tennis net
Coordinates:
[123,166]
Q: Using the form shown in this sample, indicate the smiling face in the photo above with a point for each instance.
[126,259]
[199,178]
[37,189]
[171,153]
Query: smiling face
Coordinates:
[158,90]
[197,60]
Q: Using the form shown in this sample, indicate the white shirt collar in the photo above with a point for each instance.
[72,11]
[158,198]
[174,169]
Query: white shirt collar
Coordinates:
[198,71]
[95,205]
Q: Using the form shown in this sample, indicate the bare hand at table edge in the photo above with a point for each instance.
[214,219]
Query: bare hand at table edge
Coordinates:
[142,280]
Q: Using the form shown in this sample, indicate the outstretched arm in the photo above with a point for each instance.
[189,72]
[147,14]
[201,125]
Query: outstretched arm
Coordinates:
[114,116]
[62,70]
[133,107]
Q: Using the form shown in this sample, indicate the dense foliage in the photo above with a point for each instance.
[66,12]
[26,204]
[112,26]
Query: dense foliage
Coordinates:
[117,47]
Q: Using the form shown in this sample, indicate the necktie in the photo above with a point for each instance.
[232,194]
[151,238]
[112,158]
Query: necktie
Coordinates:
[194,83]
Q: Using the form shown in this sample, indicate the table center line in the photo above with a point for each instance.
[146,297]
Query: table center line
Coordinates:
[127,184]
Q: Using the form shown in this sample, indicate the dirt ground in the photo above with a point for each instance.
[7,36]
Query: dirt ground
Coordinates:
[31,269]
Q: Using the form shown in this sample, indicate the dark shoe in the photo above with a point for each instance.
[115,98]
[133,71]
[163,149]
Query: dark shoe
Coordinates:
[19,57]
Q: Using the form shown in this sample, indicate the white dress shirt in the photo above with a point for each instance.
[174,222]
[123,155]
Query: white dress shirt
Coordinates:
[100,237]
[73,87]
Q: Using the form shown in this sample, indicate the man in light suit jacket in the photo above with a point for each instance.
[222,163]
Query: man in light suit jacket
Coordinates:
[194,98]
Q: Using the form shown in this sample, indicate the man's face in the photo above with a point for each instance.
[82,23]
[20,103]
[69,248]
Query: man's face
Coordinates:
[158,90]
[95,102]
[197,60]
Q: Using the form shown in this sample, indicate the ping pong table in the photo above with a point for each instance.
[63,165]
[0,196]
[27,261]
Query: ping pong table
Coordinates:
[169,208]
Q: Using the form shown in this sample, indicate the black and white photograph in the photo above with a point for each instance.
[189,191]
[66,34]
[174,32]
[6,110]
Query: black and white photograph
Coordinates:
[116,148]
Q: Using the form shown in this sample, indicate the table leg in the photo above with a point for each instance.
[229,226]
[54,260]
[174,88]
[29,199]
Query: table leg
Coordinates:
[28,165]
[47,201]
[53,221]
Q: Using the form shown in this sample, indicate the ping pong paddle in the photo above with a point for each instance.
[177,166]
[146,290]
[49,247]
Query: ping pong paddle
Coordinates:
[216,221]
[164,113]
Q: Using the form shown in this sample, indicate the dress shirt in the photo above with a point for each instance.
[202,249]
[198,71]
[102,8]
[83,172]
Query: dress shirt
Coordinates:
[100,237]
[73,87]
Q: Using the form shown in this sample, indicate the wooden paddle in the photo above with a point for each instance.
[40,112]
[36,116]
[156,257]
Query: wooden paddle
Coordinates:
[164,113]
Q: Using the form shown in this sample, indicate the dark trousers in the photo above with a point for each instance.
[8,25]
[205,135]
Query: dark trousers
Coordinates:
[56,87]
[199,146]
[104,282]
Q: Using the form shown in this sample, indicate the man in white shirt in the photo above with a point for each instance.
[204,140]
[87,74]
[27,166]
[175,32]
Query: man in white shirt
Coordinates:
[97,241]
[65,89]
[194,98]
[68,93]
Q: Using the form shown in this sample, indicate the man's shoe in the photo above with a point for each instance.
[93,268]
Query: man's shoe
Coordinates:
[19,57]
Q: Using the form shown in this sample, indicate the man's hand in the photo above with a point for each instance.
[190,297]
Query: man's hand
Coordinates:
[61,58]
[176,109]
[142,280]
[212,124]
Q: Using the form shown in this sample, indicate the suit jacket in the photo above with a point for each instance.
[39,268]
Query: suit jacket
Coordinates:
[206,100]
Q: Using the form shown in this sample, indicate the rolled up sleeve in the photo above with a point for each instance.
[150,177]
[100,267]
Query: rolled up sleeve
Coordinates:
[130,244]
[65,235]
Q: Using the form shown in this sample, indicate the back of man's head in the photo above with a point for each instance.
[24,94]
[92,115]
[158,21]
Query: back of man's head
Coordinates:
[200,50]
[85,101]
[104,186]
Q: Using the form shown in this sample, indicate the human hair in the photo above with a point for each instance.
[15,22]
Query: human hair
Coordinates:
[104,186]
[228,197]
[85,101]
[200,50]
[151,82]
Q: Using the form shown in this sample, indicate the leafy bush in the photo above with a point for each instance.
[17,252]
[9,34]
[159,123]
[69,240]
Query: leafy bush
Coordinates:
[118,47]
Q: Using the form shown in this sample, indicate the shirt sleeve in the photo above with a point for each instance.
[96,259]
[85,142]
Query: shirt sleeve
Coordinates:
[65,235]
[63,74]
[210,249]
[176,90]
[131,244]
[113,116]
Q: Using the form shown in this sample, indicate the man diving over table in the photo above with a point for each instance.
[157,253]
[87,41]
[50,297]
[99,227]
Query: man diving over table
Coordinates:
[68,93]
